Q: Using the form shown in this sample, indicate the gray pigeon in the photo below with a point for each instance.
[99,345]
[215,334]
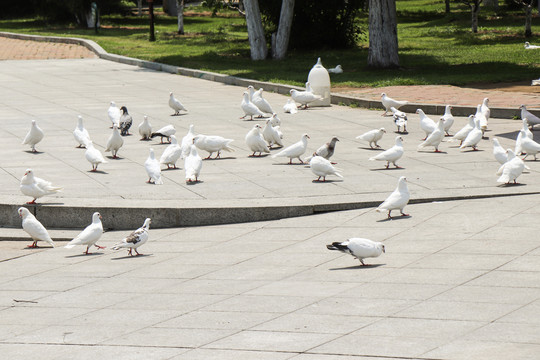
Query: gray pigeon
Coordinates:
[326,151]
[125,121]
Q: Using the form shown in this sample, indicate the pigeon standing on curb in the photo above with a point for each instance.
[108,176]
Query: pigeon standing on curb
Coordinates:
[36,187]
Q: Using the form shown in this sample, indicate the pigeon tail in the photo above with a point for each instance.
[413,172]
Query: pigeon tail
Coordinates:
[337,246]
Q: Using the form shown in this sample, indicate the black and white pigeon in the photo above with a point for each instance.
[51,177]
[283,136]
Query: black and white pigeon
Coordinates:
[136,239]
[326,151]
[359,248]
[400,119]
[125,121]
[164,132]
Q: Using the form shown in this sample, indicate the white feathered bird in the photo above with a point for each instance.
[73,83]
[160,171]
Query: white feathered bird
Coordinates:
[136,239]
[295,150]
[145,129]
[153,169]
[482,120]
[175,104]
[498,152]
[397,200]
[34,228]
[115,142]
[400,119]
[114,114]
[372,137]
[304,97]
[261,102]
[290,107]
[322,168]
[192,165]
[388,103]
[272,135]
[212,144]
[336,70]
[90,235]
[528,46]
[517,149]
[164,132]
[434,139]
[187,141]
[448,119]
[529,146]
[34,136]
[36,187]
[94,156]
[531,118]
[426,123]
[171,154]
[485,108]
[255,141]
[80,134]
[464,131]
[511,169]
[359,248]
[391,155]
[474,137]
[249,108]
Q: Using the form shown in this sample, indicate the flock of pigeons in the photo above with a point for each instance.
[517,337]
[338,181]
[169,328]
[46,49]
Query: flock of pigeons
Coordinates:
[261,140]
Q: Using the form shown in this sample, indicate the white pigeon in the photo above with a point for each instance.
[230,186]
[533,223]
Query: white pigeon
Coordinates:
[295,150]
[90,235]
[212,144]
[485,108]
[36,187]
[126,121]
[448,119]
[34,228]
[359,248]
[326,151]
[529,146]
[272,135]
[192,165]
[274,120]
[511,169]
[528,46]
[255,141]
[391,155]
[145,129]
[336,70]
[474,137]
[388,103]
[151,165]
[171,154]
[115,142]
[175,104]
[80,133]
[464,131]
[322,168]
[164,132]
[290,107]
[94,156]
[187,141]
[498,152]
[34,135]
[531,118]
[261,102]
[426,123]
[400,119]
[114,114]
[136,239]
[249,108]
[518,150]
[397,200]
[372,137]
[304,97]
[434,139]
[482,120]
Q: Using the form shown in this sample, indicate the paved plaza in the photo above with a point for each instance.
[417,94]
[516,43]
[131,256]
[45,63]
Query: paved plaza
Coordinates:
[459,280]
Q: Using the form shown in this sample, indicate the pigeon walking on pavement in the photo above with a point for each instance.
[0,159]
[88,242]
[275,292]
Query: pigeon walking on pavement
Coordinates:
[80,133]
[372,137]
[212,144]
[34,136]
[125,121]
[114,143]
[464,131]
[164,132]
[255,141]
[400,119]
[272,135]
[34,228]
[474,137]
[511,169]
[94,156]
[322,168]
[145,129]
[171,154]
[114,114]
[153,169]
[136,239]
[391,155]
[295,150]
[434,139]
[249,108]
[326,151]
[290,107]
[192,165]
[397,200]
[448,119]
[359,248]
[426,123]
[90,235]
[531,118]
[175,104]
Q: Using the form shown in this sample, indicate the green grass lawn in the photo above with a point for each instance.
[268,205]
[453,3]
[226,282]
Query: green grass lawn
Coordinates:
[435,48]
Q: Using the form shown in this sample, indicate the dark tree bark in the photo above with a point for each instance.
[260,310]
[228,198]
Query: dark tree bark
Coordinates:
[494,4]
[447,6]
[180,15]
[281,43]
[475,9]
[257,42]
[527,7]
[383,41]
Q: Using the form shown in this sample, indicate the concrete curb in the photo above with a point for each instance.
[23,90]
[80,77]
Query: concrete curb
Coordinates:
[336,99]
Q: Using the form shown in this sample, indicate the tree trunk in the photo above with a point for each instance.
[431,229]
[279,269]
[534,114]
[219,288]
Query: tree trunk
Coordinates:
[447,6]
[475,8]
[139,7]
[494,4]
[383,41]
[180,15]
[528,20]
[284,30]
[257,42]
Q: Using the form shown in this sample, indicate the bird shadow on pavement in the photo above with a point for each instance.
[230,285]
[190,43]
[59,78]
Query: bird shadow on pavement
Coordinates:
[34,152]
[385,169]
[370,148]
[194,182]
[358,267]
[114,158]
[145,139]
[83,254]
[179,114]
[471,150]
[433,152]
[171,169]
[132,257]
[395,218]
[293,164]
[221,158]
[97,172]
[401,132]
[511,185]
[322,182]
[258,156]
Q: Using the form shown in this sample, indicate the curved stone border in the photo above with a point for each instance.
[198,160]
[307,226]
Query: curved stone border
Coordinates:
[336,99]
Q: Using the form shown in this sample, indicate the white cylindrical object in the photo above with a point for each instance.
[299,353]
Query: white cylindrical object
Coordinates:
[319,79]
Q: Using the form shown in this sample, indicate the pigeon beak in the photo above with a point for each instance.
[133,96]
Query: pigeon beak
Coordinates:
[100,218]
